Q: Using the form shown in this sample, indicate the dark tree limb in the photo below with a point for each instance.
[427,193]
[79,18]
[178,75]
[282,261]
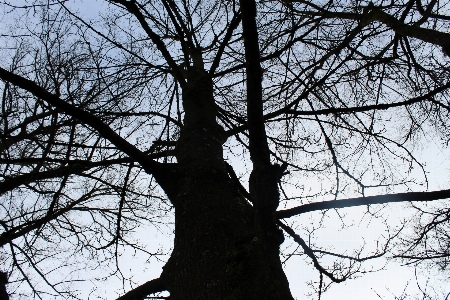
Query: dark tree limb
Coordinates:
[143,113]
[74,167]
[400,197]
[381,106]
[427,35]
[182,32]
[83,116]
[11,183]
[10,234]
[116,44]
[233,25]
[373,13]
[263,184]
[236,180]
[3,282]
[309,252]
[348,110]
[259,149]
[142,291]
[134,10]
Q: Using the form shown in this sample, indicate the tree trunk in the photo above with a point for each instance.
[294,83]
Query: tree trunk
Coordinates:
[216,252]
[3,282]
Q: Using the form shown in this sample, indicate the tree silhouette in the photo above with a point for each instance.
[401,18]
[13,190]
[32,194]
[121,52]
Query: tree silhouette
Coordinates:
[228,115]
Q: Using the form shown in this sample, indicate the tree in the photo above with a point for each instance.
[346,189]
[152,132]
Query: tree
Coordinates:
[113,122]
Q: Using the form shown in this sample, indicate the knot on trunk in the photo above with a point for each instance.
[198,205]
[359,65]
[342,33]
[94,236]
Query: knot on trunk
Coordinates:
[265,195]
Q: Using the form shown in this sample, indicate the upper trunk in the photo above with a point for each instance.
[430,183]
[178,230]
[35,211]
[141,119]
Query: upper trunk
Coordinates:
[216,254]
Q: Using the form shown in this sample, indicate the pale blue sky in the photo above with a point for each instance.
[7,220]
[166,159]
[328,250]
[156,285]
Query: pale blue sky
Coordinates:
[386,283]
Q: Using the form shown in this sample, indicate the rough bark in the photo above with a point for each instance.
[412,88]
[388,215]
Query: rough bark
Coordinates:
[216,253]
[3,282]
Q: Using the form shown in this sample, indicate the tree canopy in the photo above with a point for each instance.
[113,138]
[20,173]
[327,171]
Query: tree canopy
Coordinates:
[239,117]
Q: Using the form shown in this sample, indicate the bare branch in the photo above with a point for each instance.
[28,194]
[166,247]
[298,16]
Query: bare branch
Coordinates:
[392,198]
[104,130]
[140,292]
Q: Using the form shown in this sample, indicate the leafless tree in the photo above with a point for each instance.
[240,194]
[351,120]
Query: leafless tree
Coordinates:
[162,108]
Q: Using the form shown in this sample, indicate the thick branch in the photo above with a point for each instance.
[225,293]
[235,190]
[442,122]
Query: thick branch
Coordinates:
[427,35]
[348,110]
[259,149]
[400,197]
[264,176]
[381,106]
[233,25]
[11,183]
[73,167]
[83,116]
[133,9]
[373,13]
[141,292]
[3,282]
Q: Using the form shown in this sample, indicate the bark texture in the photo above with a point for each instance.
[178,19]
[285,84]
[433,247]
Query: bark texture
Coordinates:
[3,282]
[216,254]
